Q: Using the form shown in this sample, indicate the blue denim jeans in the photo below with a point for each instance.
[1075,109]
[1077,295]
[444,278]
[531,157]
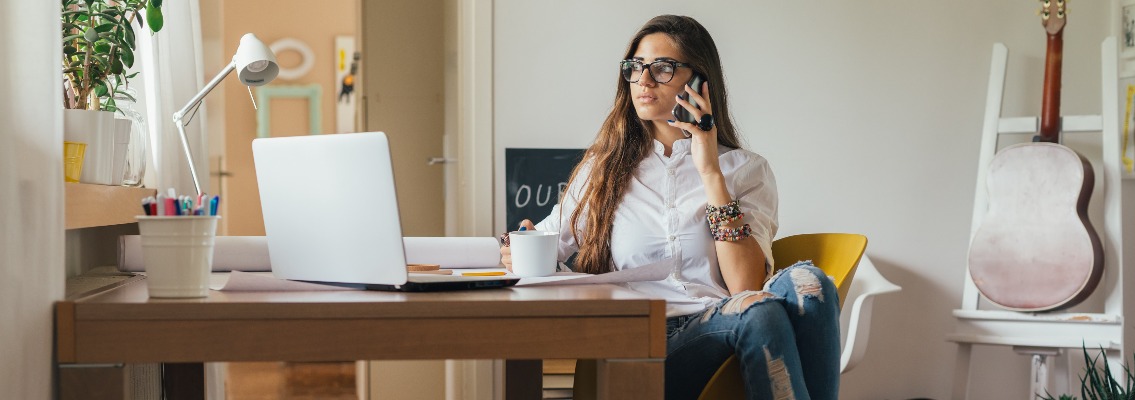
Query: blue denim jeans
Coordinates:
[787,341]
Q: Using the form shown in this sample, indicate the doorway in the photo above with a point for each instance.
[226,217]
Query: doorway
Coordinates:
[399,90]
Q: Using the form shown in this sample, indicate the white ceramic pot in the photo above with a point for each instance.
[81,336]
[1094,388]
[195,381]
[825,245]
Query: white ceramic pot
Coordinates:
[106,138]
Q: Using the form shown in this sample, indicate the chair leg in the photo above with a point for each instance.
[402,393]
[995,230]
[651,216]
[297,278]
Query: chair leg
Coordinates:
[1038,378]
[961,372]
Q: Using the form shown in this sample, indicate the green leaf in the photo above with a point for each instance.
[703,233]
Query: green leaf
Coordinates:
[154,18]
[91,35]
[75,64]
[100,90]
[116,67]
[68,50]
[131,75]
[69,38]
[156,3]
[102,47]
[106,27]
[128,38]
[127,58]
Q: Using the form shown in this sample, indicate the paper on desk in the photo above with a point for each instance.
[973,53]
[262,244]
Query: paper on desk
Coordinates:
[264,282]
[650,272]
[453,252]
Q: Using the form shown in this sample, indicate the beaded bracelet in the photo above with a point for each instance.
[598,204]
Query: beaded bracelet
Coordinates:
[722,215]
[731,234]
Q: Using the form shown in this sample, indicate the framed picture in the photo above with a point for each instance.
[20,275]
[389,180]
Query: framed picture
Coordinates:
[1127,27]
[266,93]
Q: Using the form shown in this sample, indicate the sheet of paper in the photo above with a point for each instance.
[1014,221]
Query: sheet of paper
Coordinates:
[649,272]
[453,252]
[239,281]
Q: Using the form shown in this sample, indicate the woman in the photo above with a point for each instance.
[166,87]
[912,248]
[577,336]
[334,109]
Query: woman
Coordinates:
[651,188]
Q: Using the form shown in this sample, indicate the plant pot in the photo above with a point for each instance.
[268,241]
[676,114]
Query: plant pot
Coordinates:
[106,138]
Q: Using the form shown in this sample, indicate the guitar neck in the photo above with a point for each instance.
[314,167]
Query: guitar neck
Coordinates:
[1050,105]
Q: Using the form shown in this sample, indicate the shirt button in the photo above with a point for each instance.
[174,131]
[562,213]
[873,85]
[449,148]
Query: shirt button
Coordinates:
[672,237]
[670,171]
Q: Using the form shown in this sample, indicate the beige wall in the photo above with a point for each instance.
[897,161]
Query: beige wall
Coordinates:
[31,196]
[315,24]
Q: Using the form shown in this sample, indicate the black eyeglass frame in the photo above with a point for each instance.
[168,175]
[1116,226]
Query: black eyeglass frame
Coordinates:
[647,68]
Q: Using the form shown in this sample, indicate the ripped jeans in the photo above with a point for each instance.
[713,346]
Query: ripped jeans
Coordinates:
[787,343]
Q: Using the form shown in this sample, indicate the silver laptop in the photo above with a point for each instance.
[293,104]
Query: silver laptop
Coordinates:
[331,214]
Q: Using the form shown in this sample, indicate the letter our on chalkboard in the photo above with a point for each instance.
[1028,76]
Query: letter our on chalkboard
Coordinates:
[536,180]
[542,198]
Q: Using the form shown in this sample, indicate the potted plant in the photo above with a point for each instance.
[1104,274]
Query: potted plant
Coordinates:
[98,49]
[1099,384]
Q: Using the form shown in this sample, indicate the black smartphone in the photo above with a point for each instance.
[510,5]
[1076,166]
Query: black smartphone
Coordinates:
[680,113]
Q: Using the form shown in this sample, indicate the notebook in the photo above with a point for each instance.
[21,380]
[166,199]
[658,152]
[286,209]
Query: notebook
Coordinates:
[331,214]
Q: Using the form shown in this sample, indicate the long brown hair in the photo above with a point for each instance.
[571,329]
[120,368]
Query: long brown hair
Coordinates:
[624,140]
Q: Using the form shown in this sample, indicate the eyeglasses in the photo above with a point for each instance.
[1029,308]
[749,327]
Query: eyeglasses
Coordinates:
[661,71]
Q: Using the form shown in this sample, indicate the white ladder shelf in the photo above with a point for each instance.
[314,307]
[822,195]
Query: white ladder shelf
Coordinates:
[1045,335]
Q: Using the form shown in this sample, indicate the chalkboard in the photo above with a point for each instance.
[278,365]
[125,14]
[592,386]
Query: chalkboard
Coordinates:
[534,180]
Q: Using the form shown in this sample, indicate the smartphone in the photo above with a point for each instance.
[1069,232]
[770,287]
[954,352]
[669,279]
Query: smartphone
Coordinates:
[680,113]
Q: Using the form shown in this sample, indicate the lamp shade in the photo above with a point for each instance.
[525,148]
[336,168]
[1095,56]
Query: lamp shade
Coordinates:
[255,63]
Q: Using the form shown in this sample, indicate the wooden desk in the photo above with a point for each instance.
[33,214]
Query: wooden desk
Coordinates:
[123,325]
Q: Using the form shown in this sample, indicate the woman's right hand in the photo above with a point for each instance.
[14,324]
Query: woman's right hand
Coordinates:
[506,251]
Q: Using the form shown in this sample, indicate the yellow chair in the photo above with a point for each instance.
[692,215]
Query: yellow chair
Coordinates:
[839,255]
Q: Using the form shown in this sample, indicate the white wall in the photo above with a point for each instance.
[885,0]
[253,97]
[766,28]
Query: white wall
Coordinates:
[869,111]
[31,193]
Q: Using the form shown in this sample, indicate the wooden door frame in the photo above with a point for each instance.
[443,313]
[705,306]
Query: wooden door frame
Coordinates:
[473,187]
[470,195]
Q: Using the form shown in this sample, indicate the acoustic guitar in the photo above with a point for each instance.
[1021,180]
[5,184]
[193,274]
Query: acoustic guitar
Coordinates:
[1036,250]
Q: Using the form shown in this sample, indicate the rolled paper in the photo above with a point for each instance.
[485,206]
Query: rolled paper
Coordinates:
[250,253]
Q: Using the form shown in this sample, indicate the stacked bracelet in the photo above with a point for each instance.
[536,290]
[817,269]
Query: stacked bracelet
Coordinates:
[724,214]
[719,216]
[731,234]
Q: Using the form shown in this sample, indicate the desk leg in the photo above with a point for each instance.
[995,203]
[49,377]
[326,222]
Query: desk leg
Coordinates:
[523,379]
[630,379]
[183,381]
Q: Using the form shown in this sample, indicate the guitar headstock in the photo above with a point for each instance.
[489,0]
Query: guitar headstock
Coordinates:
[1053,15]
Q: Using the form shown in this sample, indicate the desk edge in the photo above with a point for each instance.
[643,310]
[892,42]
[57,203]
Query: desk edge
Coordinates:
[658,328]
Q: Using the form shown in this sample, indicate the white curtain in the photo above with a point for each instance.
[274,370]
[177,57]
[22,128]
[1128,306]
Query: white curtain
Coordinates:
[171,66]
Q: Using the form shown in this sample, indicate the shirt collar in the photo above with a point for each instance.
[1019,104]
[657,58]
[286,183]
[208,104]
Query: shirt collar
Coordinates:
[681,146]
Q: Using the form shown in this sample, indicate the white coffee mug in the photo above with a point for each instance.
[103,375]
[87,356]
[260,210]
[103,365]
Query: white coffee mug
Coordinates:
[533,252]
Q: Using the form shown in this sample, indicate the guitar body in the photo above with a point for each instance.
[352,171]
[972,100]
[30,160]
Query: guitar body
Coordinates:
[1036,250]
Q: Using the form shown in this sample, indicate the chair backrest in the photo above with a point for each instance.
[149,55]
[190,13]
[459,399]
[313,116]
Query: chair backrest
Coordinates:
[837,254]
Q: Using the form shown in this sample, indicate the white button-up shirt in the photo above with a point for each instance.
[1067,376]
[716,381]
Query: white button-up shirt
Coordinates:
[662,215]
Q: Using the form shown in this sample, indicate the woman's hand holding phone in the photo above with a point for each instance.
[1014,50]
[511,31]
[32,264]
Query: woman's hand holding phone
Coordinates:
[680,113]
[704,146]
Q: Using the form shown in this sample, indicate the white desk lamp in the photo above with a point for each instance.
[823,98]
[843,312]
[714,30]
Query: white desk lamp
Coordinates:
[255,65]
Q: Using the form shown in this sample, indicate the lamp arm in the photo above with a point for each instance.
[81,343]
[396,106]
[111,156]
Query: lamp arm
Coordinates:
[180,114]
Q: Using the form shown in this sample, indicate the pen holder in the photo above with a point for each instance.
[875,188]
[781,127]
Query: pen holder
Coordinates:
[73,160]
[178,254]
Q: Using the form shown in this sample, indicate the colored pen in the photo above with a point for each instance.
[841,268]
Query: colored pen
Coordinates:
[496,273]
[161,202]
[171,206]
[214,204]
